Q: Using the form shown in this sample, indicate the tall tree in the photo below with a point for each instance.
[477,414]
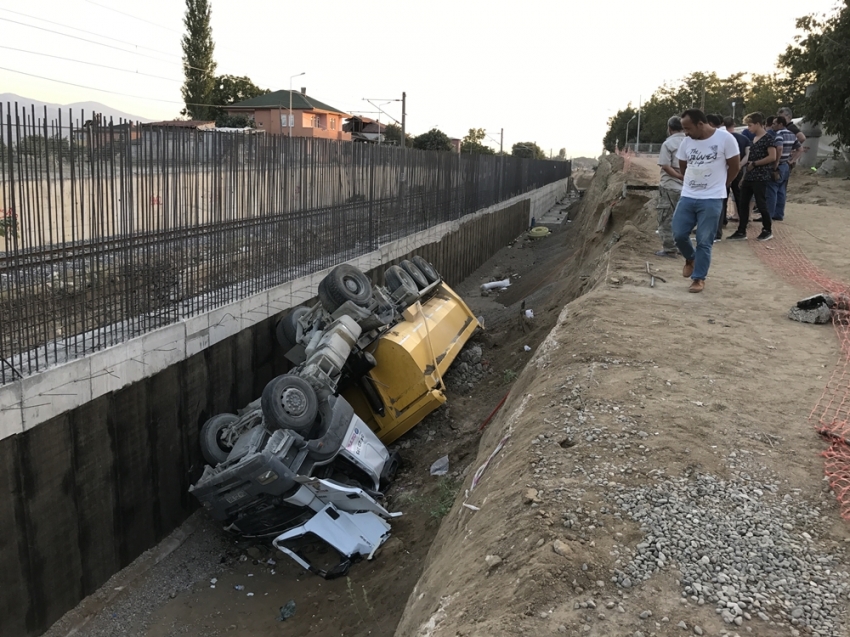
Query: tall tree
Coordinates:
[473,142]
[434,139]
[392,135]
[527,150]
[820,56]
[229,89]
[198,63]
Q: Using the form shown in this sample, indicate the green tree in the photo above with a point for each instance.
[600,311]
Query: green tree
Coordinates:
[472,142]
[821,56]
[39,146]
[234,121]
[392,135]
[434,139]
[617,127]
[198,62]
[562,155]
[229,89]
[527,150]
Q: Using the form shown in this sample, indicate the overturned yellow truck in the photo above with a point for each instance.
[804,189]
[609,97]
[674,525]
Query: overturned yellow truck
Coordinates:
[308,459]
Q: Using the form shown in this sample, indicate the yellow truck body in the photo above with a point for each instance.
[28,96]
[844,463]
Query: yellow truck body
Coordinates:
[412,358]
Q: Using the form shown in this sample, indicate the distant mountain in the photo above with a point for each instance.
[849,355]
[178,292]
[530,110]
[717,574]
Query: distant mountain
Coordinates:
[78,109]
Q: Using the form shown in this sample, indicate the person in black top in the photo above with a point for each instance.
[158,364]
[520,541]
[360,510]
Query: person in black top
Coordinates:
[744,144]
[758,173]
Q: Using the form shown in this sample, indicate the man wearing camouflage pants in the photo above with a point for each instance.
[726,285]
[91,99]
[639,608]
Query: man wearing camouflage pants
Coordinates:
[670,188]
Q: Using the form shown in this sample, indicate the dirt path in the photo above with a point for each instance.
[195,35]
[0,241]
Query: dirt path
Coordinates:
[656,434]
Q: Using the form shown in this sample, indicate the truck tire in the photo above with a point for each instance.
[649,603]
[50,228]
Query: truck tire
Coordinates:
[213,448]
[415,274]
[396,278]
[342,284]
[289,402]
[286,330]
[426,268]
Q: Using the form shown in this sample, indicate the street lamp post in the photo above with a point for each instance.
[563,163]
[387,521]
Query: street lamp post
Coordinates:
[733,111]
[289,121]
[626,142]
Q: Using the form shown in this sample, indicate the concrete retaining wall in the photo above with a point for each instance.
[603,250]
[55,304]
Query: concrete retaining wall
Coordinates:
[96,456]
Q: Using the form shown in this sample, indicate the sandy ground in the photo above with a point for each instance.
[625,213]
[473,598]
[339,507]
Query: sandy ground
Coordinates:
[633,383]
[714,384]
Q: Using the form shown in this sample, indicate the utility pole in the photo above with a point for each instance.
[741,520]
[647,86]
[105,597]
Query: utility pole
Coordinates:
[501,141]
[403,117]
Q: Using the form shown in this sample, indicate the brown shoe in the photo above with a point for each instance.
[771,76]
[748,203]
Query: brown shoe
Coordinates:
[697,286]
[688,270]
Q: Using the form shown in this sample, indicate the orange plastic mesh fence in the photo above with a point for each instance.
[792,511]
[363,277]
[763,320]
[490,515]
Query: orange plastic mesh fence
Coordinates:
[831,414]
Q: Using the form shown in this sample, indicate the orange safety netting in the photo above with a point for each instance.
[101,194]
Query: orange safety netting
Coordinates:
[831,414]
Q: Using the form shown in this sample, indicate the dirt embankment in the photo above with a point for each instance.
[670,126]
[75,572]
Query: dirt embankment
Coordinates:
[653,471]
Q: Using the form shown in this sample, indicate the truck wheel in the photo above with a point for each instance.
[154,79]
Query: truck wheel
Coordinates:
[289,402]
[415,274]
[426,268]
[287,328]
[342,284]
[213,448]
[396,278]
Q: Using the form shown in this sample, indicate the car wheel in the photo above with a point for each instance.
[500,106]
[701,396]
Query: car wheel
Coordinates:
[426,268]
[289,402]
[213,448]
[342,284]
[415,274]
[396,278]
[287,328]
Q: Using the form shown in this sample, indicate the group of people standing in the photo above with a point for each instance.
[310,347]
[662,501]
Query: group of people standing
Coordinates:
[702,161]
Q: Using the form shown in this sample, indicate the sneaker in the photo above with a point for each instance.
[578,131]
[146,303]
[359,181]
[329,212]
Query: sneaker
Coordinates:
[766,235]
[697,286]
[664,253]
[688,270]
[737,236]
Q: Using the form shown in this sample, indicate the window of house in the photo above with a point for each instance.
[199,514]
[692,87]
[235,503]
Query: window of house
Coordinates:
[314,121]
[333,123]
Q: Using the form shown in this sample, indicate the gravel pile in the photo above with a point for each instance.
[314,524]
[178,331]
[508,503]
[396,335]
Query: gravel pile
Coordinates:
[467,370]
[741,547]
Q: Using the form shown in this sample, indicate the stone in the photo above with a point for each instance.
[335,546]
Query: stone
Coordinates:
[697,630]
[797,613]
[646,614]
[562,548]
[820,315]
[531,496]
[682,625]
[492,561]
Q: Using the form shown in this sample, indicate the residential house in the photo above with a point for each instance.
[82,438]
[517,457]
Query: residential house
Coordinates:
[364,129]
[308,118]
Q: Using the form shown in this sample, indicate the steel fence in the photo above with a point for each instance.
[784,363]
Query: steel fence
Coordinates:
[111,230]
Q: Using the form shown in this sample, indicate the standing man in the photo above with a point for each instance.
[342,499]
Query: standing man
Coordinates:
[777,188]
[709,160]
[788,114]
[670,188]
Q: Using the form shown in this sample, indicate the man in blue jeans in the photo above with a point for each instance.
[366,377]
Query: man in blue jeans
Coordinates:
[709,160]
[787,143]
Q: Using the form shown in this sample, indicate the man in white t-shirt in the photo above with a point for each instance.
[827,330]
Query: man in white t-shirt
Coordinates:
[709,160]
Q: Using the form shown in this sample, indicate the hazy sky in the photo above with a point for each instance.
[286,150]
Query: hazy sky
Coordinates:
[545,71]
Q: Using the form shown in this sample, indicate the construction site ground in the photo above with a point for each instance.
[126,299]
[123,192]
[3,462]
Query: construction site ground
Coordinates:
[625,386]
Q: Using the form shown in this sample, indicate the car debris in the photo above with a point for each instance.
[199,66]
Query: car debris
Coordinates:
[307,460]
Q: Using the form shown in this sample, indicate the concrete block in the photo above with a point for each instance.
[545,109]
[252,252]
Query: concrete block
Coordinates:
[197,342]
[11,416]
[197,325]
[55,391]
[163,347]
[116,367]
[254,309]
[224,322]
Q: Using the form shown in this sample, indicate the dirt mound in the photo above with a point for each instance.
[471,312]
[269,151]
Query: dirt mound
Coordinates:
[638,411]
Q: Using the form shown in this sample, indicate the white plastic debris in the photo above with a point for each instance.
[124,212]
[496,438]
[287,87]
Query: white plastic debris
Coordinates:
[440,466]
[471,507]
[496,285]
[250,594]
[214,580]
[239,587]
[529,314]
[526,348]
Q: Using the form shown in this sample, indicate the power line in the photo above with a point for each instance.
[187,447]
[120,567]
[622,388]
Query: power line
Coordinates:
[104,66]
[76,37]
[92,88]
[130,15]
[68,26]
